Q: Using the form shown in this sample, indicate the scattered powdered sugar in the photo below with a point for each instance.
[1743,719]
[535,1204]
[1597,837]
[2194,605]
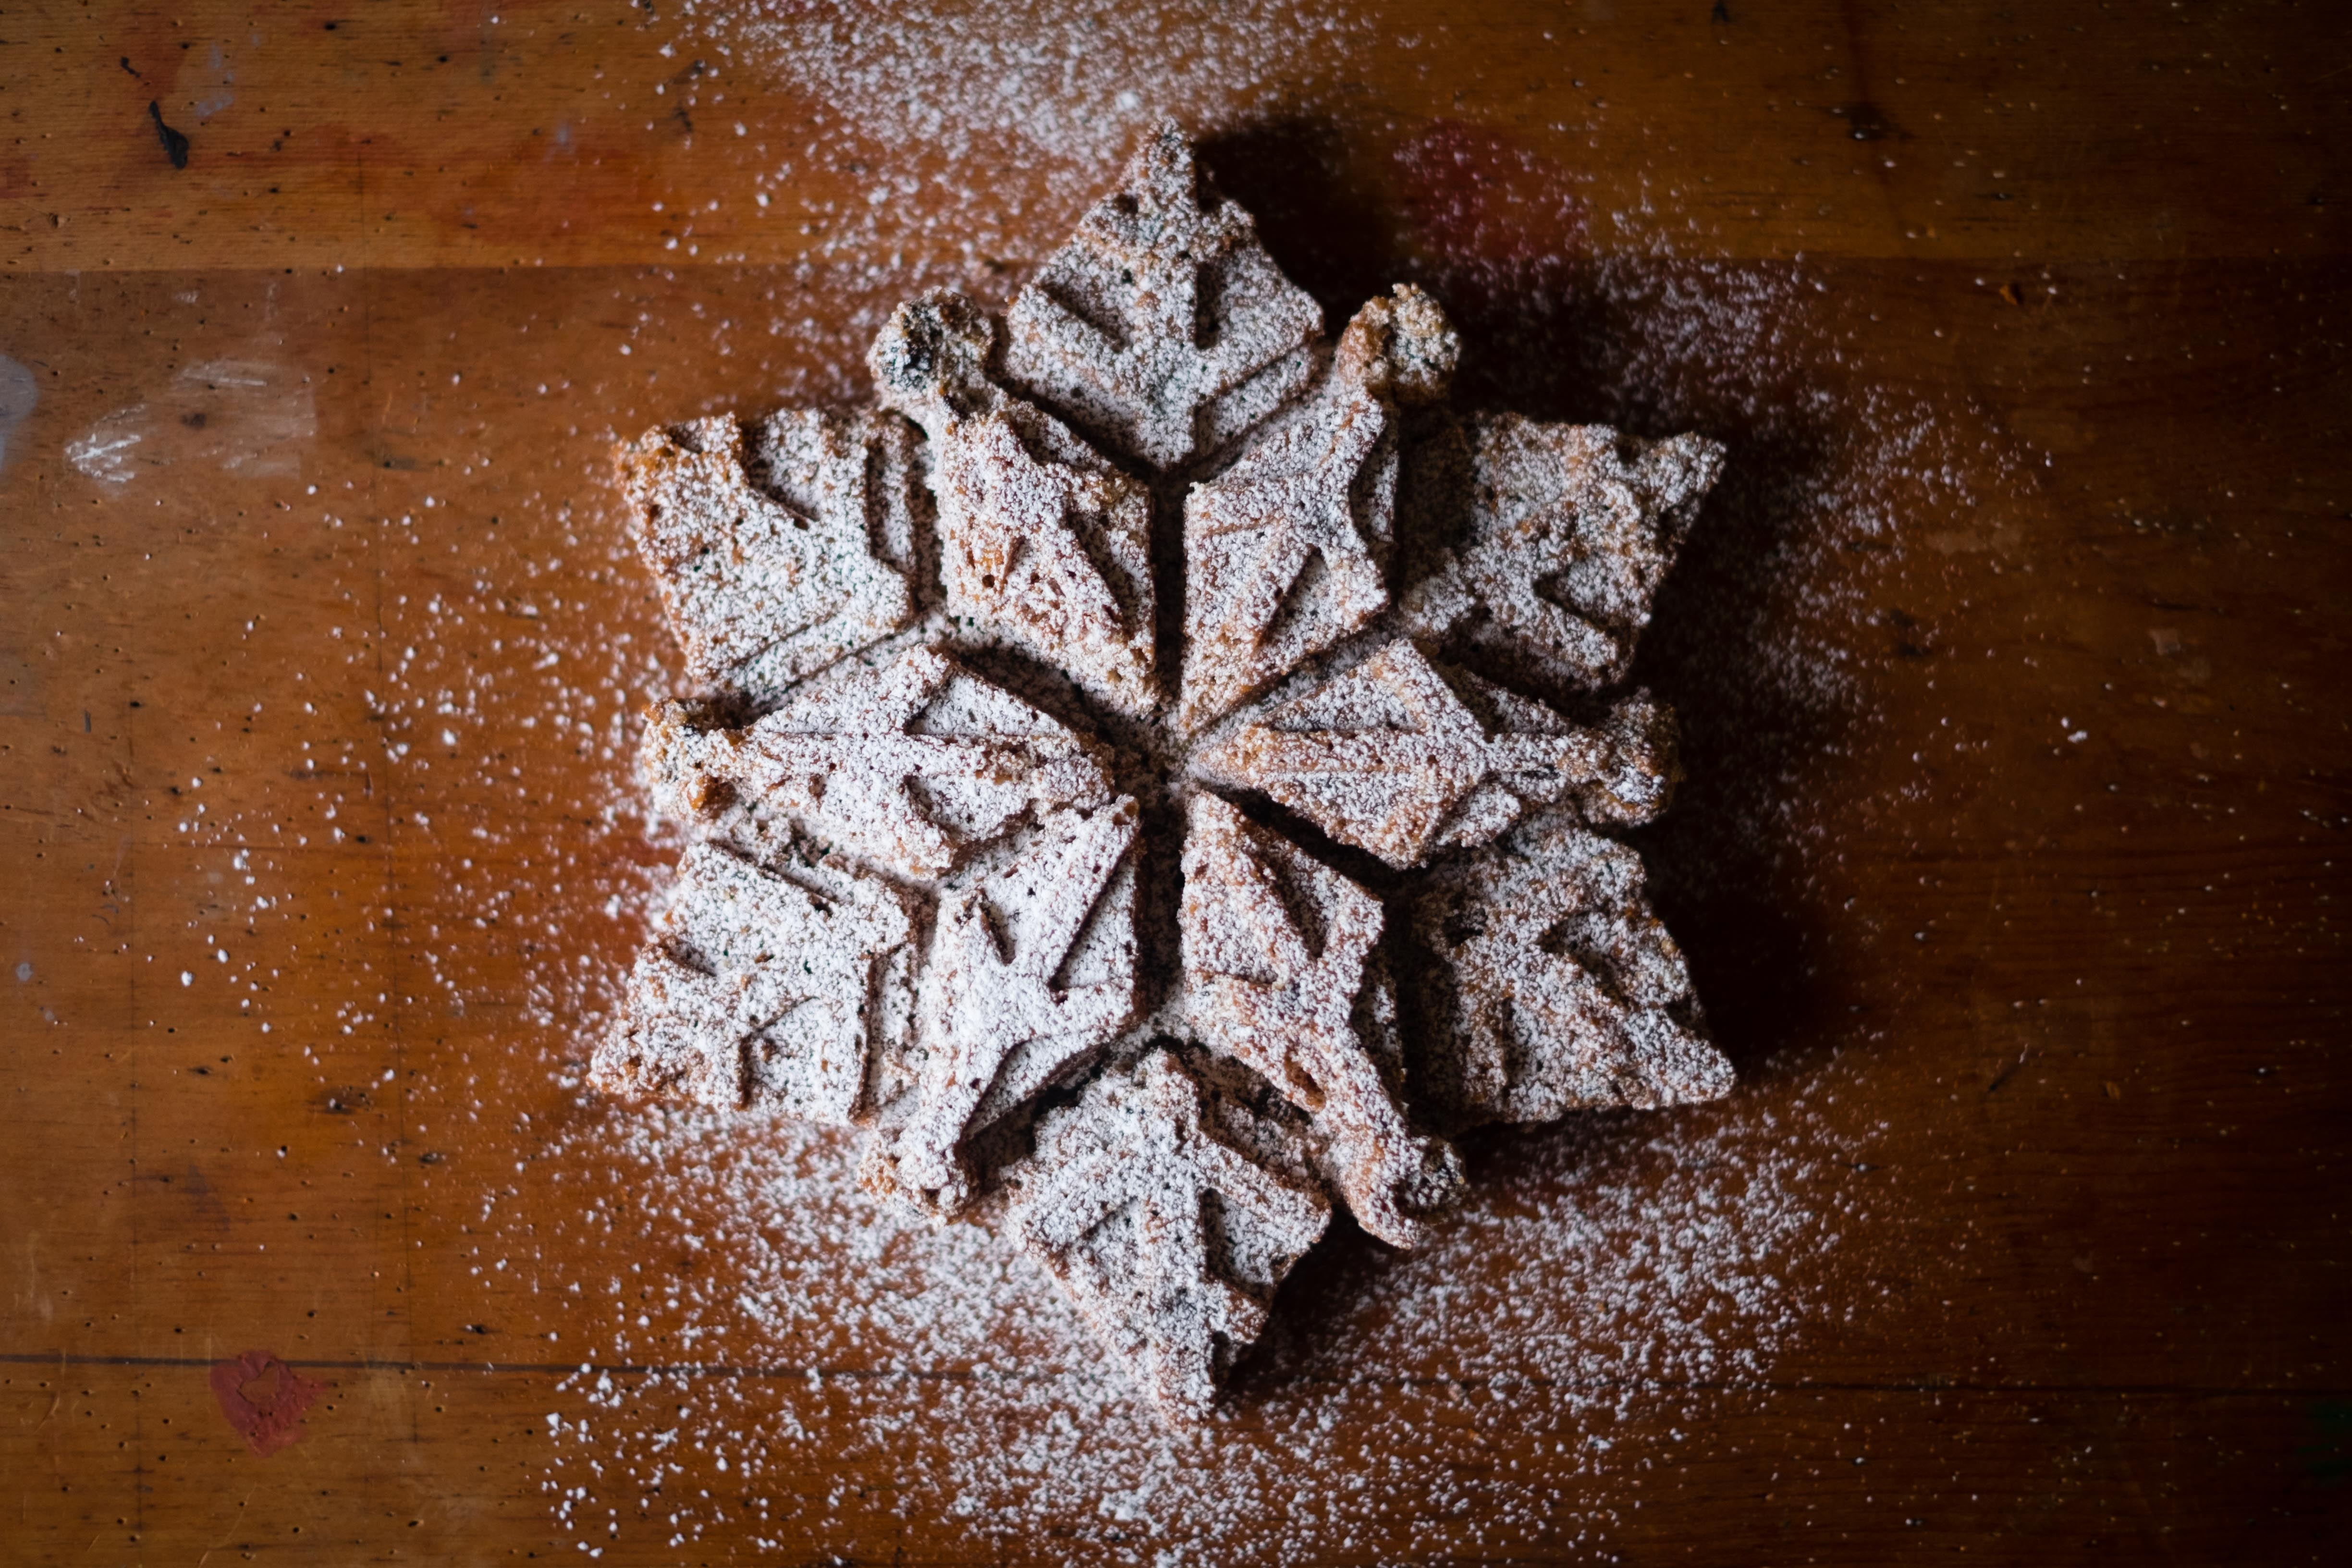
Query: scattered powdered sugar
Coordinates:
[920,96]
[1596,1269]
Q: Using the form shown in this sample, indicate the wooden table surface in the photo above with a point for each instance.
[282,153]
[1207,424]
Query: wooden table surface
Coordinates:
[2011,657]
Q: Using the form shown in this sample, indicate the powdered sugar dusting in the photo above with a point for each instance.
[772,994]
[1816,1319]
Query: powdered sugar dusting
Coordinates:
[921,96]
[1595,1270]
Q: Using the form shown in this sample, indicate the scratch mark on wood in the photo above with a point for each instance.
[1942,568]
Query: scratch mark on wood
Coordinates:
[2008,1072]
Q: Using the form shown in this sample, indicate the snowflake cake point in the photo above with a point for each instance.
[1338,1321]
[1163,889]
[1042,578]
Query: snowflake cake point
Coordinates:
[1149,908]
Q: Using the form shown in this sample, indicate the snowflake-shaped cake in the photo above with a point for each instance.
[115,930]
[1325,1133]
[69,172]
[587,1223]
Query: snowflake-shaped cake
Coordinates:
[1146,772]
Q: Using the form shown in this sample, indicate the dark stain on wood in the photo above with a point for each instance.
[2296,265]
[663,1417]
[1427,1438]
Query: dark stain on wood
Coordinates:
[175,146]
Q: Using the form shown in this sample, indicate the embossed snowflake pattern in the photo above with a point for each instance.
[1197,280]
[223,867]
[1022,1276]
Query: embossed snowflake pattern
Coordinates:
[1153,771]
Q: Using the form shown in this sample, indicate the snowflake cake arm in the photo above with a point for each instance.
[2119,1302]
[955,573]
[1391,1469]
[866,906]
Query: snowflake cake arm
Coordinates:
[1287,552]
[758,991]
[1116,1203]
[1401,757]
[1163,328]
[912,765]
[1042,540]
[1031,972]
[760,592]
[1548,984]
[1050,546]
[1542,546]
[1277,950]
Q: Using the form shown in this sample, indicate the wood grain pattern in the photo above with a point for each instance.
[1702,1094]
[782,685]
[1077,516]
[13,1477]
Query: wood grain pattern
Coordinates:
[2029,881]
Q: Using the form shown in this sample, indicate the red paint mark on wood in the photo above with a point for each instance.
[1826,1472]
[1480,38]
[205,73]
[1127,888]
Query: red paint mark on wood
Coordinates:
[263,1398]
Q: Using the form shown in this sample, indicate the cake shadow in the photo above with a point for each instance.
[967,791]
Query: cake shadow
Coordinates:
[1627,340]
[1655,346]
